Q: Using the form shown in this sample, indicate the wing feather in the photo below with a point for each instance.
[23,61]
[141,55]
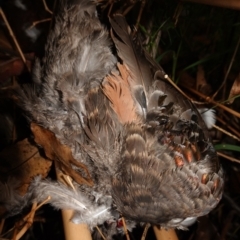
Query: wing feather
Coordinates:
[130,54]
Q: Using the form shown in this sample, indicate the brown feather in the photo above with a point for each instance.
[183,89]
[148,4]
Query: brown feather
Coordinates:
[116,88]
[130,53]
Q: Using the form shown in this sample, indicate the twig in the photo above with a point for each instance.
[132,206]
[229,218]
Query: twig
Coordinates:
[125,229]
[236,132]
[28,219]
[148,225]
[185,95]
[100,232]
[226,132]
[229,68]
[232,159]
[46,7]
[143,2]
[14,38]
[40,21]
[209,100]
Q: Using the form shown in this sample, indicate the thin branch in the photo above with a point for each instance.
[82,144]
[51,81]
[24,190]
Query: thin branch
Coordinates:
[46,7]
[35,23]
[209,100]
[14,38]
[229,68]
[148,225]
[232,159]
[236,132]
[125,229]
[226,132]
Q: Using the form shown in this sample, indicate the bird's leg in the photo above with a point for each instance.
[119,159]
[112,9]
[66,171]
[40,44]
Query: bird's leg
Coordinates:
[27,221]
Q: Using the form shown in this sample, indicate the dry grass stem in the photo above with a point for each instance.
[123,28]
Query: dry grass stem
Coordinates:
[209,100]
[100,232]
[35,23]
[148,225]
[14,38]
[28,219]
[236,132]
[184,94]
[226,132]
[228,70]
[46,7]
[232,159]
[125,229]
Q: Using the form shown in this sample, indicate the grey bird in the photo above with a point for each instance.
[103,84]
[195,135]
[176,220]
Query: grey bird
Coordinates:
[146,146]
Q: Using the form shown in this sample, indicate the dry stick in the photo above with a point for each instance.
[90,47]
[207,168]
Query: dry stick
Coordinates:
[29,218]
[125,229]
[162,234]
[143,2]
[14,38]
[232,159]
[35,23]
[226,132]
[229,119]
[209,100]
[100,232]
[175,86]
[72,231]
[229,68]
[236,132]
[46,7]
[148,225]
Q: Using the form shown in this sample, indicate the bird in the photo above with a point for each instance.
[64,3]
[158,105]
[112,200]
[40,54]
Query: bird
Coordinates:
[145,145]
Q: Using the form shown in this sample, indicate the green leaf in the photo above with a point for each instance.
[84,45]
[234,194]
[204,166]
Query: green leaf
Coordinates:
[227,147]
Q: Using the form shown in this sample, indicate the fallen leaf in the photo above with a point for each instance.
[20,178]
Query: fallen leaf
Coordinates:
[202,85]
[235,90]
[56,151]
[23,162]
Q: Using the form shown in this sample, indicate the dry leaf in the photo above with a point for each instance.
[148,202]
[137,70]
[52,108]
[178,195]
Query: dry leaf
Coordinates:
[23,162]
[235,90]
[54,150]
[202,85]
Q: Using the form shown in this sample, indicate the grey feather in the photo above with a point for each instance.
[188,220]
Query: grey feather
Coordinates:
[62,197]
